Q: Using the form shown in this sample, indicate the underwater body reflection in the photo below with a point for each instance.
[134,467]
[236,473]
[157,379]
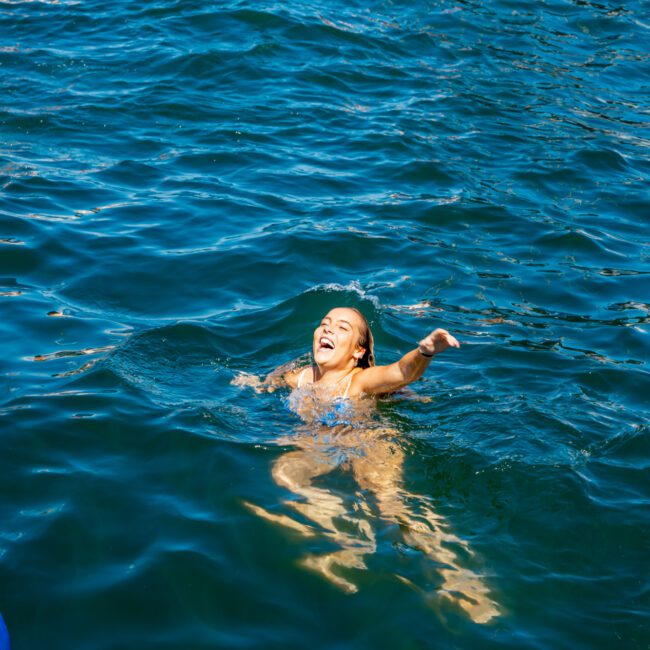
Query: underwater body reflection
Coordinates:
[347,436]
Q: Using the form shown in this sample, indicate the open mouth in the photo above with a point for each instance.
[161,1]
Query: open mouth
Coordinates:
[325,344]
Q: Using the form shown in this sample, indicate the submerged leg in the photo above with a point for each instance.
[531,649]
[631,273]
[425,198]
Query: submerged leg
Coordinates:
[281,519]
[295,471]
[380,470]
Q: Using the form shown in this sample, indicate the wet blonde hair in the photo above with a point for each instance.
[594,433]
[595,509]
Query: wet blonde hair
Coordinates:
[366,341]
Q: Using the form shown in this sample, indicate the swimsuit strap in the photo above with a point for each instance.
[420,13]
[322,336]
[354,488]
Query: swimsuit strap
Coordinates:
[347,388]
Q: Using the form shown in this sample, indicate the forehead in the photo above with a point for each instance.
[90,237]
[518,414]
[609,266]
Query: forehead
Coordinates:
[343,313]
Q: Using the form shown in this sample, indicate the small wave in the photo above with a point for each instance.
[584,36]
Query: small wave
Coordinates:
[175,364]
[352,287]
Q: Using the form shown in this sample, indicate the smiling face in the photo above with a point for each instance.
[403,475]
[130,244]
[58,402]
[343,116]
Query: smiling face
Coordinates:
[336,340]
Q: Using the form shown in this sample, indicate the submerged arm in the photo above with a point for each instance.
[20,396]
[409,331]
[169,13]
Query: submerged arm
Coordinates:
[385,379]
[285,375]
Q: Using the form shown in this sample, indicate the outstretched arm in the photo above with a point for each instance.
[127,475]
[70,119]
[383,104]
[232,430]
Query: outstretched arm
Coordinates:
[386,379]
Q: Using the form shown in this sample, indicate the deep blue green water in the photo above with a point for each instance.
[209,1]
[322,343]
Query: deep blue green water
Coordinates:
[186,187]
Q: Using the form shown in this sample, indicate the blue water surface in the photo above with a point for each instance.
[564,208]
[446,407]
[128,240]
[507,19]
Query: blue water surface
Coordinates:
[187,187]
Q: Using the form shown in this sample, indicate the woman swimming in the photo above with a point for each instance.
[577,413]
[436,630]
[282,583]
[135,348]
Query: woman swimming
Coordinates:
[338,435]
[344,360]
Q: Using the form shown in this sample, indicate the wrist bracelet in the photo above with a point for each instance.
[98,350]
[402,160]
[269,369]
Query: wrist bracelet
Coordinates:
[428,356]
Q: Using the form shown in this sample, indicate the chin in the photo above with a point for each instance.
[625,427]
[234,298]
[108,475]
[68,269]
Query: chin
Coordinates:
[324,359]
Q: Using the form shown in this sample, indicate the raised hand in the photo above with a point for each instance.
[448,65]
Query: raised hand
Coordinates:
[438,341]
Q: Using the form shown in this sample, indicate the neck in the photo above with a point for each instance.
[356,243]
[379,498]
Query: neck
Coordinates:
[332,375]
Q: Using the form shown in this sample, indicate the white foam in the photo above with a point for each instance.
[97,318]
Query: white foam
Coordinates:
[353,286]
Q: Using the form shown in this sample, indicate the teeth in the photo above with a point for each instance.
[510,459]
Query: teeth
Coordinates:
[326,342]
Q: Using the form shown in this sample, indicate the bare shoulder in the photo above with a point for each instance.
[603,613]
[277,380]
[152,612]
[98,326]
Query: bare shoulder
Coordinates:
[285,375]
[359,383]
[292,377]
[376,380]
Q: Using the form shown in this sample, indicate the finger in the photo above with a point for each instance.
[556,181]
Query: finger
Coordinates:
[453,342]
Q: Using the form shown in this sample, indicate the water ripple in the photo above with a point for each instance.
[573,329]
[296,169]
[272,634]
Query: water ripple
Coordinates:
[187,187]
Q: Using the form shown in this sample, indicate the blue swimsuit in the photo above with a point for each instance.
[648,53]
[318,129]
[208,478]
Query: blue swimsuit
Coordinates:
[340,410]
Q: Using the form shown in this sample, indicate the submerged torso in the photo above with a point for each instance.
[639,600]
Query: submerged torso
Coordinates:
[335,427]
[326,404]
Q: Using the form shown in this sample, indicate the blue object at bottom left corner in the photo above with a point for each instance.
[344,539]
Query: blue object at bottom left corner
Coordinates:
[4,635]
